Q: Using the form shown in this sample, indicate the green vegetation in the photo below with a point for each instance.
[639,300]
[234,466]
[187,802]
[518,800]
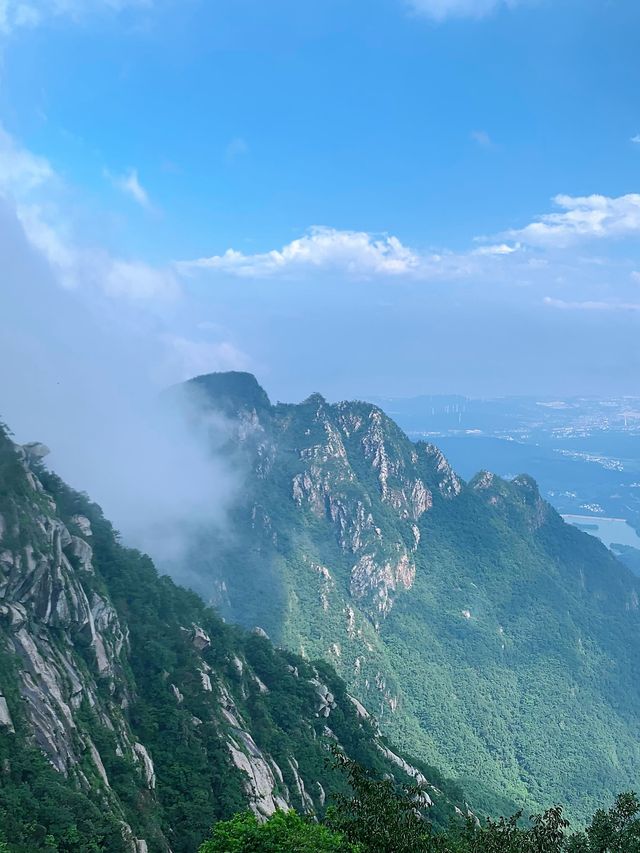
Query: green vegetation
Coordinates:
[376,817]
[512,663]
[285,831]
[40,811]
[628,555]
[261,700]
[509,660]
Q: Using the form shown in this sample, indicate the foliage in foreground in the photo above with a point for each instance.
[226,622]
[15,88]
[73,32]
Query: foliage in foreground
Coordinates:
[380,818]
[284,831]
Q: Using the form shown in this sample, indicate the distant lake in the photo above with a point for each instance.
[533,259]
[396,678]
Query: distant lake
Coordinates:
[608,530]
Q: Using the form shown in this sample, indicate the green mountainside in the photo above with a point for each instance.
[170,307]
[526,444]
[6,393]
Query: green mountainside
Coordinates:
[131,717]
[629,556]
[485,634]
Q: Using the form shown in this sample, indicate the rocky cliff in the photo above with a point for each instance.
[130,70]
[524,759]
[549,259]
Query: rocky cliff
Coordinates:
[482,631]
[131,717]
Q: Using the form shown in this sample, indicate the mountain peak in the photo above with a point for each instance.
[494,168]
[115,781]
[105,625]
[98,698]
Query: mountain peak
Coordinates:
[232,391]
[315,399]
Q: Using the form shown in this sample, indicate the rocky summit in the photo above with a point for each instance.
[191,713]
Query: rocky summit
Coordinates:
[484,633]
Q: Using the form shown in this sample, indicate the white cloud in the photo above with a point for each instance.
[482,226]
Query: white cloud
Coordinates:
[238,147]
[636,139]
[20,14]
[20,170]
[192,358]
[591,305]
[482,138]
[635,275]
[355,252]
[130,185]
[31,183]
[582,218]
[136,280]
[79,266]
[49,241]
[438,10]
[499,249]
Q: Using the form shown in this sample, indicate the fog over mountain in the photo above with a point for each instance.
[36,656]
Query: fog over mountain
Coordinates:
[83,376]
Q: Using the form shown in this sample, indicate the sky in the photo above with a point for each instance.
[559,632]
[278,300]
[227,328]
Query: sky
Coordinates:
[357,197]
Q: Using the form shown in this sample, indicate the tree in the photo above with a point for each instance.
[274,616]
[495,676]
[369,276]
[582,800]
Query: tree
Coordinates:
[284,832]
[379,816]
[614,831]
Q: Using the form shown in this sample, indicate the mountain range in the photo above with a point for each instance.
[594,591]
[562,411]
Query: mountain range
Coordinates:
[484,633]
[364,596]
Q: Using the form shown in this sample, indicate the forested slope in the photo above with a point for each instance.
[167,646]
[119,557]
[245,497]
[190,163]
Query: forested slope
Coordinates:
[485,633]
[131,716]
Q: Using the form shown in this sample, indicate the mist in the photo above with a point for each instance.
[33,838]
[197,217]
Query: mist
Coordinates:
[84,376]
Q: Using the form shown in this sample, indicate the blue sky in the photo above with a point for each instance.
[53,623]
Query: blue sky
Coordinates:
[382,197]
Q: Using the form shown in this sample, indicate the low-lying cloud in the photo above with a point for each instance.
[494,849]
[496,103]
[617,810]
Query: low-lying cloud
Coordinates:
[82,371]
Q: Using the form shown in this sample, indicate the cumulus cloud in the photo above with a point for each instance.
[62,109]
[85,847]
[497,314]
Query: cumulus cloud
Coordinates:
[355,252]
[18,14]
[593,217]
[438,10]
[130,185]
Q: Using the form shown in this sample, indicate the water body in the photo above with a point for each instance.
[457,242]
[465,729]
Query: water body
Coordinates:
[608,530]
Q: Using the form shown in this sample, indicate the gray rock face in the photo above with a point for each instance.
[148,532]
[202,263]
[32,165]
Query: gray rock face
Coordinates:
[5,717]
[148,770]
[200,640]
[83,524]
[326,700]
[45,612]
[264,781]
[36,450]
